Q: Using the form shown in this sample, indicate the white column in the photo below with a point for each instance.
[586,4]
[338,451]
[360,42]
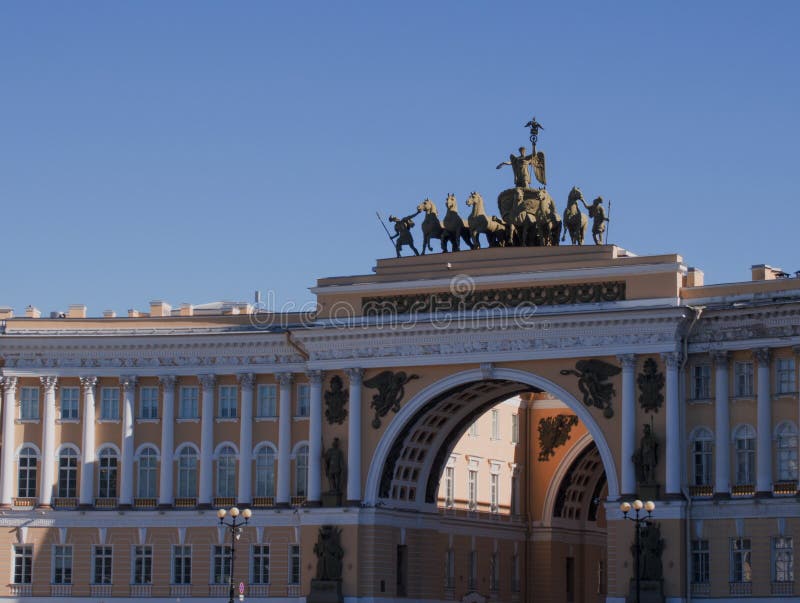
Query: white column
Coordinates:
[354,436]
[48,442]
[165,489]
[315,438]
[628,426]
[88,451]
[764,426]
[128,384]
[722,425]
[673,437]
[246,382]
[282,496]
[7,461]
[207,440]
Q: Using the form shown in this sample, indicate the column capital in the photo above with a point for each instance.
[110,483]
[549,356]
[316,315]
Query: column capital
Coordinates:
[168,381]
[246,380]
[315,377]
[355,375]
[672,359]
[628,361]
[207,380]
[49,383]
[284,378]
[128,382]
[10,384]
[720,357]
[762,355]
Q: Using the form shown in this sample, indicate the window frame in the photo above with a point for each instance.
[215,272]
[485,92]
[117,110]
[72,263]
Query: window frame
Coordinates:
[30,471]
[67,485]
[301,471]
[189,472]
[22,566]
[70,400]
[701,381]
[264,471]
[701,561]
[786,574]
[745,472]
[142,569]
[259,566]
[108,474]
[147,455]
[266,403]
[741,565]
[227,406]
[787,452]
[784,385]
[29,399]
[189,402]
[181,556]
[227,460]
[62,564]
[294,569]
[702,458]
[743,379]
[103,553]
[220,564]
[109,404]
[148,403]
[303,406]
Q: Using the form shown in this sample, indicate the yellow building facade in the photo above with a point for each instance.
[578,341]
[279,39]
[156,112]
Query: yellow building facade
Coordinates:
[495,400]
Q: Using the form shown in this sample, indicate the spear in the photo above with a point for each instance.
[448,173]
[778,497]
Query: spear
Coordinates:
[609,220]
[391,240]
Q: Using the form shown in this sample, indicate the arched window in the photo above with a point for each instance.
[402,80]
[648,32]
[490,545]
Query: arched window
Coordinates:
[702,442]
[787,452]
[107,462]
[67,473]
[226,472]
[26,482]
[187,473]
[301,471]
[146,483]
[265,472]
[745,442]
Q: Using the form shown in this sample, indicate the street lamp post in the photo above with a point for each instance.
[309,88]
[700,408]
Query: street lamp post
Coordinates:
[235,526]
[637,506]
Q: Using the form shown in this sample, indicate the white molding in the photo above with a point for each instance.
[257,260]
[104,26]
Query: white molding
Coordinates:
[556,276]
[410,408]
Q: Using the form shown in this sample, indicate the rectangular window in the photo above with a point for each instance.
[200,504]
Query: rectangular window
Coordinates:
[495,425]
[741,567]
[222,565]
[743,375]
[101,565]
[514,494]
[62,564]
[472,489]
[29,404]
[782,559]
[494,572]
[228,398]
[187,408]
[67,474]
[260,557]
[109,404]
[23,563]
[449,487]
[701,382]
[745,461]
[294,564]
[267,401]
[143,564]
[514,429]
[785,380]
[181,564]
[473,429]
[69,403]
[494,487]
[450,569]
[148,402]
[472,570]
[701,450]
[700,562]
[303,399]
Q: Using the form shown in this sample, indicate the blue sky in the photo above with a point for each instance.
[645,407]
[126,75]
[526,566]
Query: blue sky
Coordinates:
[196,151]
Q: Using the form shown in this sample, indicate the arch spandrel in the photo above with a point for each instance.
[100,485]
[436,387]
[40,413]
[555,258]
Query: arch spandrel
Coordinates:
[413,430]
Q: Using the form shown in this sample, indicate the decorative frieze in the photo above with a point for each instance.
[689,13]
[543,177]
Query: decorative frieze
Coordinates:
[488,299]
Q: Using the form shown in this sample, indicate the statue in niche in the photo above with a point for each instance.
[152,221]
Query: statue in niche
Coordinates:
[329,552]
[334,464]
[651,547]
[651,382]
[336,401]
[646,458]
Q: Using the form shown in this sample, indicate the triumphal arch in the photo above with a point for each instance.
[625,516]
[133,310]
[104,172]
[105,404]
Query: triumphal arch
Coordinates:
[449,426]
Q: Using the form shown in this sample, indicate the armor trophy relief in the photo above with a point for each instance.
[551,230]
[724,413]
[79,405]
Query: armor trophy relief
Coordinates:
[528,216]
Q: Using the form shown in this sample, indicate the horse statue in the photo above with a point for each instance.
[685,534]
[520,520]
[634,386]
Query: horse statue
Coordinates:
[456,228]
[575,220]
[431,226]
[523,220]
[479,222]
